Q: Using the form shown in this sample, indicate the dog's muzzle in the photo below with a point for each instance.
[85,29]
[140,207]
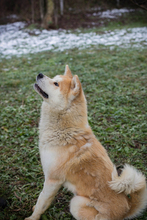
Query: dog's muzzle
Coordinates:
[40,76]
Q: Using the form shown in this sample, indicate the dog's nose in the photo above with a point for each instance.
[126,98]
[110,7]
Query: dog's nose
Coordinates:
[40,76]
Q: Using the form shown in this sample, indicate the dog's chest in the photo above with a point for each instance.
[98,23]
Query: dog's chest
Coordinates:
[49,160]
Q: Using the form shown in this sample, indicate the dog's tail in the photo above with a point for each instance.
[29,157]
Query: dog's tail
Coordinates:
[133,183]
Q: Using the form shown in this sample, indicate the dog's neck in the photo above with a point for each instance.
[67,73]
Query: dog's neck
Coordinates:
[63,126]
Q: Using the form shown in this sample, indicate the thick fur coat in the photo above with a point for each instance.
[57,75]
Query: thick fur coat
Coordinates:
[71,156]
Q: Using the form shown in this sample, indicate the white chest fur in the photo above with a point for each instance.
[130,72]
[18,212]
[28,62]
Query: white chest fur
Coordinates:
[49,159]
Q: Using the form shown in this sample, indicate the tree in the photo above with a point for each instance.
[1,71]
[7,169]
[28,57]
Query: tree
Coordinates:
[140,3]
[32,9]
[41,2]
[61,6]
[48,18]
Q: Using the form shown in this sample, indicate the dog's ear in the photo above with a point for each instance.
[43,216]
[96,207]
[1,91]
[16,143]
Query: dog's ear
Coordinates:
[68,72]
[75,86]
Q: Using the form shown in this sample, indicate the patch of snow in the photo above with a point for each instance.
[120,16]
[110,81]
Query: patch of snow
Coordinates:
[13,16]
[114,13]
[11,28]
[95,9]
[14,40]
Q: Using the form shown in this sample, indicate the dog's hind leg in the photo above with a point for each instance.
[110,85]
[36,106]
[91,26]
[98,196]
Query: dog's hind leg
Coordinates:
[45,198]
[80,210]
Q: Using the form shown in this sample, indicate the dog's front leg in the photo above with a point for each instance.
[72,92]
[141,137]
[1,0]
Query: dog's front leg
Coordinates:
[45,198]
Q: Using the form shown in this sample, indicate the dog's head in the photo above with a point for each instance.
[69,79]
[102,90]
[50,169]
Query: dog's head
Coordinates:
[60,91]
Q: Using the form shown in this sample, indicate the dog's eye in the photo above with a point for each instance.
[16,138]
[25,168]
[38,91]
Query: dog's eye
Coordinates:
[56,84]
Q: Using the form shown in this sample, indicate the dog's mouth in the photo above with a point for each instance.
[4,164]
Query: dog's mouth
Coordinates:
[44,94]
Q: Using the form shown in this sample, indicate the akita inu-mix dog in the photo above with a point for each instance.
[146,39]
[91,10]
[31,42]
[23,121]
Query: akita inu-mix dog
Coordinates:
[71,156]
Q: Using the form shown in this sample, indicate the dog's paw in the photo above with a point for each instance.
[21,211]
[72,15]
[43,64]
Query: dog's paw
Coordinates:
[29,218]
[33,217]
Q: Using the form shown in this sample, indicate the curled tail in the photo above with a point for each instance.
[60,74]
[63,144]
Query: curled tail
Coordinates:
[133,183]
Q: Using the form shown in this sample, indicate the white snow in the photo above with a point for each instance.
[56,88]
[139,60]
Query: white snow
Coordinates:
[13,16]
[11,28]
[114,13]
[14,40]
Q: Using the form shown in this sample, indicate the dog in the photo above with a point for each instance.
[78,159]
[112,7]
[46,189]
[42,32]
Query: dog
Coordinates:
[72,157]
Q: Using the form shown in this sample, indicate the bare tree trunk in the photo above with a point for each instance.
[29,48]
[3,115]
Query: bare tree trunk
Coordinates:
[118,3]
[48,19]
[32,8]
[41,9]
[61,7]
[56,12]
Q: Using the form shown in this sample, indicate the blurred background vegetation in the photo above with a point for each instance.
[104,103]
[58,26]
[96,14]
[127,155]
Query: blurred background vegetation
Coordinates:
[55,13]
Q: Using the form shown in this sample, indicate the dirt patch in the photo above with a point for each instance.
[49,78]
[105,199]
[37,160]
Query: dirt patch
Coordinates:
[73,21]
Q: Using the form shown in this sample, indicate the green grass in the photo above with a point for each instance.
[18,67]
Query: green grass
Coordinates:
[114,82]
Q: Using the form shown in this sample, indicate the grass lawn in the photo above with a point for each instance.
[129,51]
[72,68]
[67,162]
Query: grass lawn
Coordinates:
[114,82]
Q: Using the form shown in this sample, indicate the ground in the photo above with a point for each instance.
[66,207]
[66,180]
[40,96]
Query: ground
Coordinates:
[114,80]
[121,27]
